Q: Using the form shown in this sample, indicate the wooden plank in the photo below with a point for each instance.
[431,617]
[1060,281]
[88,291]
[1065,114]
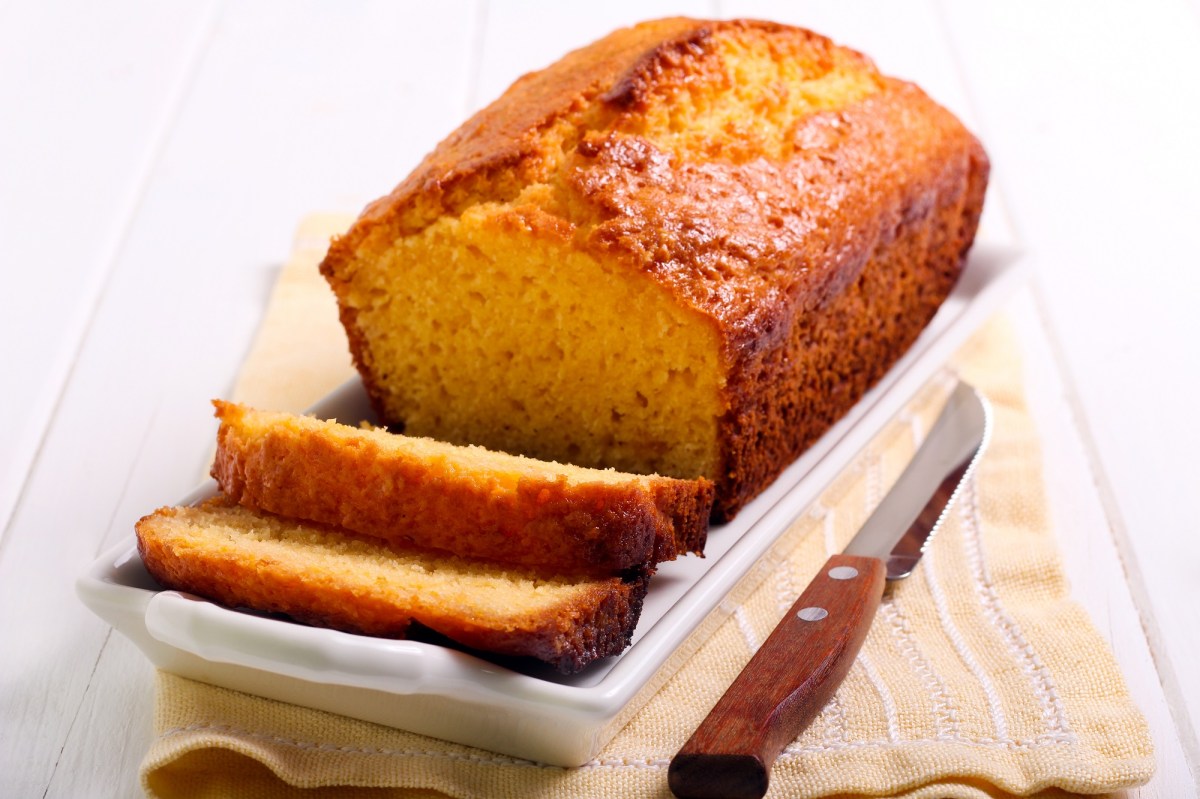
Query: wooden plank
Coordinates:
[112,729]
[1093,131]
[88,99]
[1094,569]
[295,107]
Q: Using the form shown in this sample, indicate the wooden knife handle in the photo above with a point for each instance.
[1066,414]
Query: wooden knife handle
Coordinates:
[784,686]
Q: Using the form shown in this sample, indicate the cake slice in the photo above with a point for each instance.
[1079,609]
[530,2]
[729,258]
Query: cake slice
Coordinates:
[464,500]
[329,578]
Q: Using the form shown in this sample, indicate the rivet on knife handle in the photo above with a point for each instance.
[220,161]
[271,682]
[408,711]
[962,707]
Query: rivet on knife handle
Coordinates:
[765,709]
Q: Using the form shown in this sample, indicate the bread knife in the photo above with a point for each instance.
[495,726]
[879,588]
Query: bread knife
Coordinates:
[796,671]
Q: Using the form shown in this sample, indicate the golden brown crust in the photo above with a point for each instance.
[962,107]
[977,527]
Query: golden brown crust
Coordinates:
[378,484]
[688,504]
[506,135]
[778,411]
[817,247]
[886,267]
[266,587]
[596,621]
[600,624]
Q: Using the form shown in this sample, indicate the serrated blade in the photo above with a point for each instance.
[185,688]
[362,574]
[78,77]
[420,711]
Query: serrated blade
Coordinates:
[901,526]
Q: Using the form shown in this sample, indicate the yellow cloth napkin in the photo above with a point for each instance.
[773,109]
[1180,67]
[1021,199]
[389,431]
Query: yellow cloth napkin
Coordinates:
[980,678]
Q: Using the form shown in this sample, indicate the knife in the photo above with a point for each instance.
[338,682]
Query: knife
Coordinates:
[795,672]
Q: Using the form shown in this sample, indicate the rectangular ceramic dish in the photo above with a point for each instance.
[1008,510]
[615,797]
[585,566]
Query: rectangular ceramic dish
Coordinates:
[511,708]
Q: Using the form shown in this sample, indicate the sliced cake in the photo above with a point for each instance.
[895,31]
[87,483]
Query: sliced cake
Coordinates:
[329,578]
[465,500]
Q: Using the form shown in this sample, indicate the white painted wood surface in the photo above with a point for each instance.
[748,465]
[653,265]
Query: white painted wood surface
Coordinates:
[155,158]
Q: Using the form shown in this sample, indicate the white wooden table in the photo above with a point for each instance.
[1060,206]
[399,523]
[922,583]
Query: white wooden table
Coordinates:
[155,158]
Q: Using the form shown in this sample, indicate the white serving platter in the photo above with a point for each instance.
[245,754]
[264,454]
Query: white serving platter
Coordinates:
[506,707]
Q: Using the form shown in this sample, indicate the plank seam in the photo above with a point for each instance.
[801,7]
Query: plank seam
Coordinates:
[113,251]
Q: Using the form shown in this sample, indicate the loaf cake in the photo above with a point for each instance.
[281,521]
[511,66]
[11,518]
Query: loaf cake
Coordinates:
[329,578]
[685,249]
[465,500]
